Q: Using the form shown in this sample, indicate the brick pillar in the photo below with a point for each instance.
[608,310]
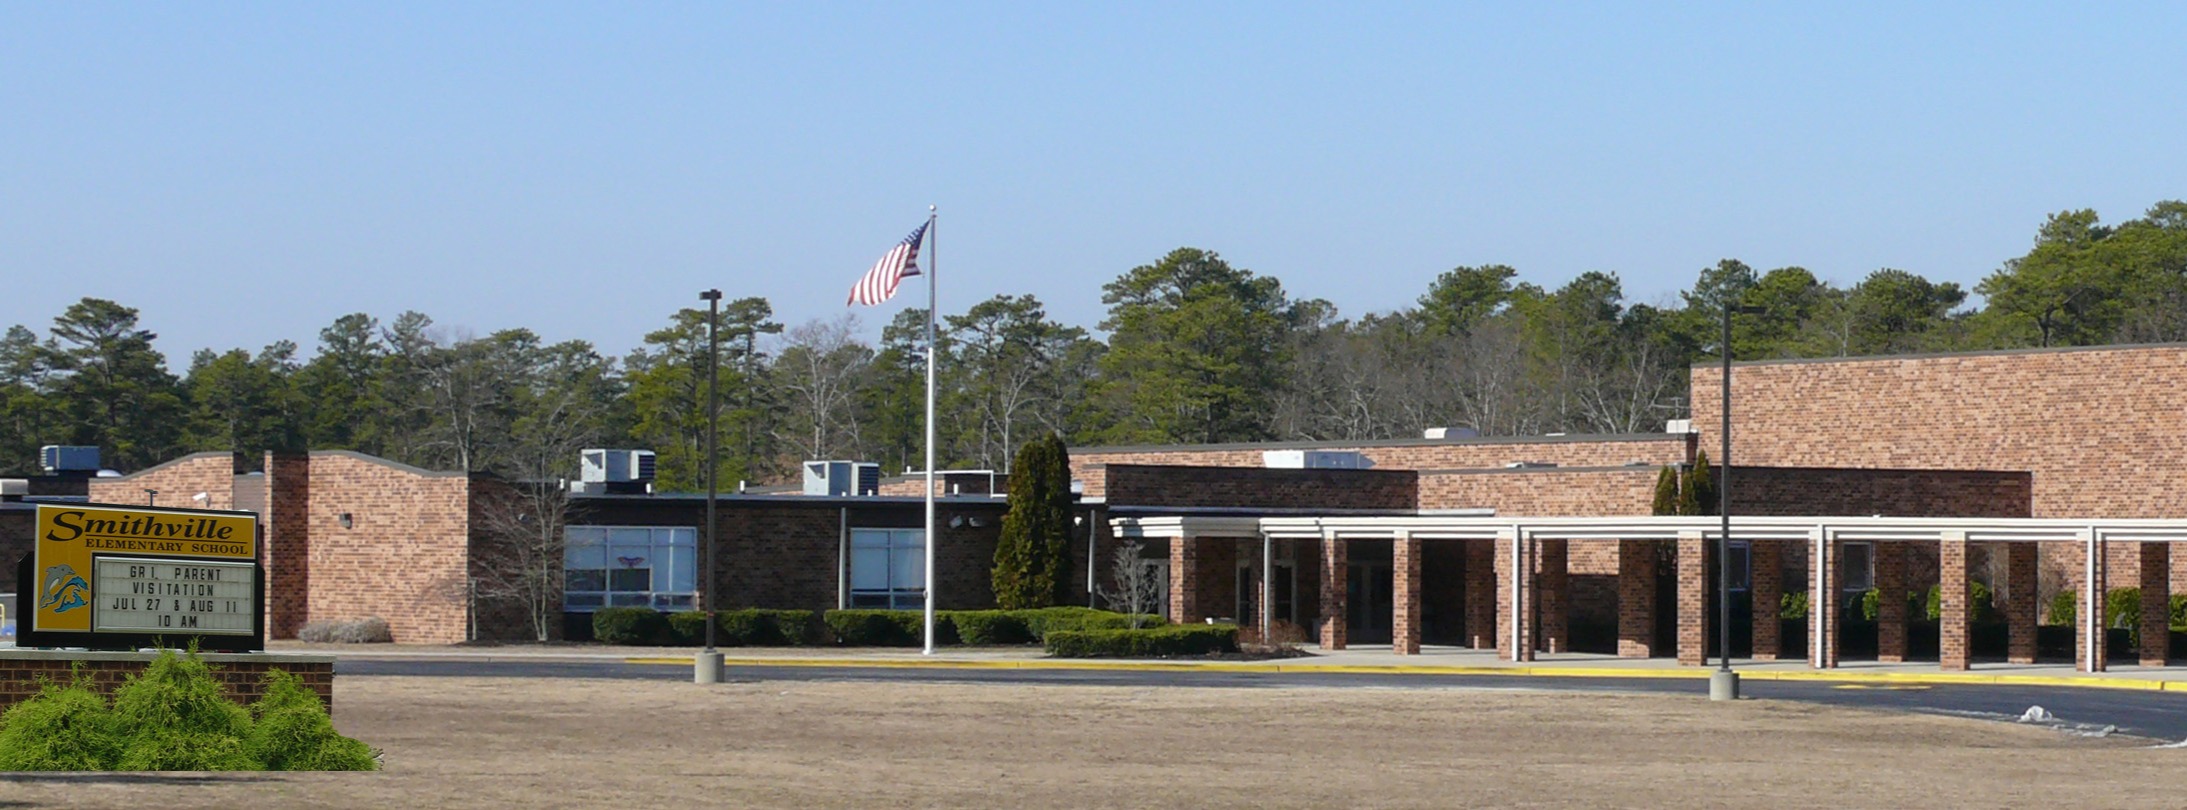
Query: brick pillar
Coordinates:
[2022,607]
[1822,604]
[285,543]
[1766,559]
[1952,599]
[1891,601]
[1480,593]
[2156,604]
[1693,600]
[1184,581]
[1335,564]
[1506,598]
[1635,598]
[1555,616]
[2088,613]
[1405,596]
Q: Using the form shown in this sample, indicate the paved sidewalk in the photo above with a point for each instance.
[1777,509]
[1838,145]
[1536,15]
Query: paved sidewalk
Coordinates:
[1364,659]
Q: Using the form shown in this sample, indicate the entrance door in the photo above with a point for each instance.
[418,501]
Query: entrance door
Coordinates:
[1367,590]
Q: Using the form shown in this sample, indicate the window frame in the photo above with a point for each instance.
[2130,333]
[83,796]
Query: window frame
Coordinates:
[669,558]
[903,563]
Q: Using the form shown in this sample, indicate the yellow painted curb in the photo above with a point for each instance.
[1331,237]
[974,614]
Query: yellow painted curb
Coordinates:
[1834,676]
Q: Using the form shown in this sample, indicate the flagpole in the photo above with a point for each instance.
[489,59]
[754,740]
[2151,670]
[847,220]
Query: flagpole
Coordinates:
[932,261]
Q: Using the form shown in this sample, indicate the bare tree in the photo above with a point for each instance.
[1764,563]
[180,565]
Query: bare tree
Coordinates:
[516,562]
[819,367]
[1136,587]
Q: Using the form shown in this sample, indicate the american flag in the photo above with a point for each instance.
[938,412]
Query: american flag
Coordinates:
[879,283]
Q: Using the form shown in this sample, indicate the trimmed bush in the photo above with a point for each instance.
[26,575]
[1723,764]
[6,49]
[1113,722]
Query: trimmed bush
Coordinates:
[1040,622]
[629,625]
[2062,608]
[291,732]
[368,630]
[62,728]
[749,627]
[991,627]
[176,716]
[1792,606]
[180,719]
[2122,609]
[2179,612]
[887,628]
[1979,605]
[1154,642]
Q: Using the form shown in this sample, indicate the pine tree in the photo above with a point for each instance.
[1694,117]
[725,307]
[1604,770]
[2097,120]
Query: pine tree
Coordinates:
[1032,554]
[1698,497]
[1666,492]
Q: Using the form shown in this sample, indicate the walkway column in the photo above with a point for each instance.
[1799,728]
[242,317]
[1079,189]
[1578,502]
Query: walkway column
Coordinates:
[1335,566]
[1952,599]
[1765,558]
[1891,601]
[2022,607]
[1184,581]
[1480,593]
[1635,598]
[1822,602]
[1556,596]
[1405,595]
[1693,602]
[1514,598]
[2156,604]
[2089,654]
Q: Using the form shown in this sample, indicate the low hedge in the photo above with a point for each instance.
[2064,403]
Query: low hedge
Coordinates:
[749,627]
[887,628]
[1153,642]
[629,625]
[906,628]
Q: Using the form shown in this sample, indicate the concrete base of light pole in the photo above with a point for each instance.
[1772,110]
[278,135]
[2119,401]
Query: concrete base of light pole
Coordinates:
[1723,685]
[706,667]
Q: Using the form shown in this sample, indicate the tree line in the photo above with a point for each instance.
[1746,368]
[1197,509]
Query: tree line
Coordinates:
[1196,350]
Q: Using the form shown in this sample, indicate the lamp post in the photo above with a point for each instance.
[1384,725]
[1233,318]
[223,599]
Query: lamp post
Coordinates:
[706,666]
[1724,683]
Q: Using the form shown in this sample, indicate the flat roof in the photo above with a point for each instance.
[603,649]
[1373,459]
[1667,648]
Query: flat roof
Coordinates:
[1882,358]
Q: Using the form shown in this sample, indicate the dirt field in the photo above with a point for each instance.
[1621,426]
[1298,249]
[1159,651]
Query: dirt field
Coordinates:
[568,743]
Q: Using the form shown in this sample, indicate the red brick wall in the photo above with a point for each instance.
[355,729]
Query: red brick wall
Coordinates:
[242,675]
[1794,491]
[405,554]
[1154,485]
[1404,454]
[177,480]
[1543,492]
[2103,430]
[285,550]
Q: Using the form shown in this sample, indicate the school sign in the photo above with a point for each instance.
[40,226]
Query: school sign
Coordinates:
[127,577]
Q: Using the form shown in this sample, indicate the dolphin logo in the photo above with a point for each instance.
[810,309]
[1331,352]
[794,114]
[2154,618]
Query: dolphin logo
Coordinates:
[64,589]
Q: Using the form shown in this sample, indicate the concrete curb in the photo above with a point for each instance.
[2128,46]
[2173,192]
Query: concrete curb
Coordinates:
[1694,673]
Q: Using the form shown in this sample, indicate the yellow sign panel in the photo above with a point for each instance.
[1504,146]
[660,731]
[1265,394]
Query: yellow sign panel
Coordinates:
[69,535]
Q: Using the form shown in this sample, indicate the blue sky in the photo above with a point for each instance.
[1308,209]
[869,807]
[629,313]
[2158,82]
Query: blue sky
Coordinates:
[245,173]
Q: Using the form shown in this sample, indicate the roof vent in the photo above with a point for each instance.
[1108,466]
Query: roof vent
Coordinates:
[615,466]
[1315,460]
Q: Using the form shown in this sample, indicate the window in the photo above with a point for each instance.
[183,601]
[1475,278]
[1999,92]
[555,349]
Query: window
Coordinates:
[1741,558]
[1856,567]
[634,566]
[888,568]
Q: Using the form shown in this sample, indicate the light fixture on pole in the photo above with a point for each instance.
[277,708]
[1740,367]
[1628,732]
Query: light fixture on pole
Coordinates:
[706,666]
[1724,683]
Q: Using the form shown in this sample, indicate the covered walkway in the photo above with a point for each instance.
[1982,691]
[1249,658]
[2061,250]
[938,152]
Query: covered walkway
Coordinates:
[1513,578]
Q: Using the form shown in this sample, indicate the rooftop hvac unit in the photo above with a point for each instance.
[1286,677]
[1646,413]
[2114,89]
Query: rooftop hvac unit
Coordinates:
[1450,433]
[1315,460]
[615,466]
[59,458]
[1678,426]
[842,478]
